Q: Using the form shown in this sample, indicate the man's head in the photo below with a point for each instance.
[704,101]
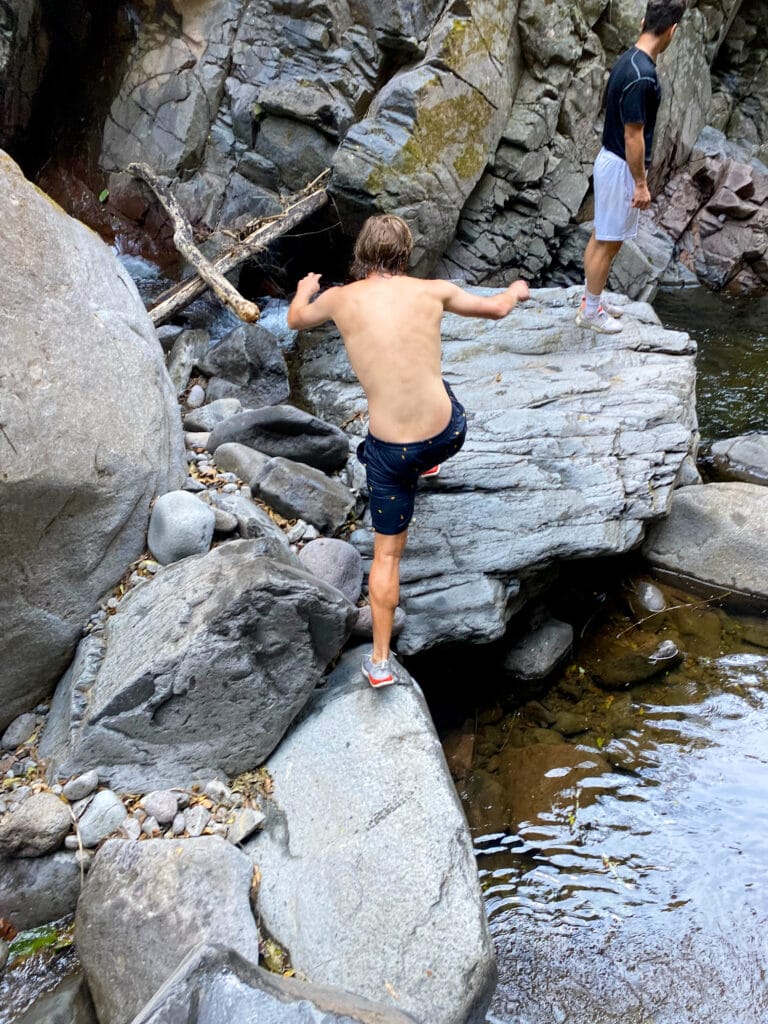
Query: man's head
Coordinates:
[383,246]
[662,18]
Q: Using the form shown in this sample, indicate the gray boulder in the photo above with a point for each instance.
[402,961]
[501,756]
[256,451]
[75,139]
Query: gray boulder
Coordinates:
[180,525]
[301,492]
[34,827]
[211,980]
[35,891]
[246,364]
[80,360]
[285,431]
[368,874]
[81,786]
[207,416]
[574,445]
[24,47]
[742,458]
[200,671]
[336,562]
[240,459]
[363,627]
[253,523]
[147,905]
[715,535]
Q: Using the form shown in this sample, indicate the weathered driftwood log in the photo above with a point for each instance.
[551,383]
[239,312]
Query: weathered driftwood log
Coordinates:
[256,237]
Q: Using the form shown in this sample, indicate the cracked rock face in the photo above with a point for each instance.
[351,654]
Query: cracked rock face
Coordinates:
[202,670]
[574,443]
[81,362]
[329,847]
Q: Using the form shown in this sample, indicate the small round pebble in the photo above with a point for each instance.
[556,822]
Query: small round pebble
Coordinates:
[162,805]
[19,731]
[179,825]
[196,397]
[81,786]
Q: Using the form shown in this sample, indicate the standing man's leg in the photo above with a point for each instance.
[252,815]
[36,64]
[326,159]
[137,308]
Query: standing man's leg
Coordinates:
[598,258]
[384,589]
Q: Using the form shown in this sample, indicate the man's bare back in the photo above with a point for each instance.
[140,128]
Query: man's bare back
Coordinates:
[390,325]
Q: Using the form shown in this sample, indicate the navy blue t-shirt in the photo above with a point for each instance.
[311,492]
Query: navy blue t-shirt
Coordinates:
[632,97]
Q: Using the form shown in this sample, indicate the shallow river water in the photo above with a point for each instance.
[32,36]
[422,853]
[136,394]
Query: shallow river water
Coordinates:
[622,836]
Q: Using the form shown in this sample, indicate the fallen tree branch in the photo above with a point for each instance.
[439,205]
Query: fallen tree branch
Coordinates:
[184,242]
[257,236]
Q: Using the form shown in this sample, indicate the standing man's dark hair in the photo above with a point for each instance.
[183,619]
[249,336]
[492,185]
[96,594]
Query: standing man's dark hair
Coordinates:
[662,14]
[620,174]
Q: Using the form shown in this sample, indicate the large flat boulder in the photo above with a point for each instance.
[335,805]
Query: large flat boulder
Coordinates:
[200,671]
[368,873]
[575,444]
[716,534]
[146,905]
[89,434]
[212,980]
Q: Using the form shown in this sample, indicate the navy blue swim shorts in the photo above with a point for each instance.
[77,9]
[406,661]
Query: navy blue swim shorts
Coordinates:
[393,470]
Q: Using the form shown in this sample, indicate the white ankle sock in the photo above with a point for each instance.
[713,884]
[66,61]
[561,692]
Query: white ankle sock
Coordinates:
[592,303]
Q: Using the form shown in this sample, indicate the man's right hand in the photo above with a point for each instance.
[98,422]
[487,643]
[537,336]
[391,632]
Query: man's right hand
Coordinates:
[642,197]
[308,286]
[519,290]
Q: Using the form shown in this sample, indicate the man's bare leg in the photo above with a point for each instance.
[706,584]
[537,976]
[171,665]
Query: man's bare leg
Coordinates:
[384,588]
[598,257]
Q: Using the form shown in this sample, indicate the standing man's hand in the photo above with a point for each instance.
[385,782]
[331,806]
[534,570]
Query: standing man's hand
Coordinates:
[642,197]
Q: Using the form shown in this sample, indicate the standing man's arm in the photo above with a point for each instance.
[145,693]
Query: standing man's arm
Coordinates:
[304,314]
[489,307]
[634,146]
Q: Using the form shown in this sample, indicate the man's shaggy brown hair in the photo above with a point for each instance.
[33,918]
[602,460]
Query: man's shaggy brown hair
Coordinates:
[384,246]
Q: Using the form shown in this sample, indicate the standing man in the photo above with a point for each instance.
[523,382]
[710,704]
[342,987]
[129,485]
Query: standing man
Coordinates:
[390,324]
[620,182]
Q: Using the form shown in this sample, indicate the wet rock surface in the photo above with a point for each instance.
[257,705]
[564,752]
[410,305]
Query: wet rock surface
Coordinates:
[743,459]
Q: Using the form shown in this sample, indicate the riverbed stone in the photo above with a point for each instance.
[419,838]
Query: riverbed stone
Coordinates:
[254,523]
[81,786]
[246,364]
[81,361]
[162,805]
[743,458]
[258,632]
[34,827]
[337,562]
[583,438]
[180,525]
[211,979]
[19,731]
[240,459]
[148,904]
[103,816]
[327,844]
[298,491]
[715,535]
[285,431]
[207,416]
[35,891]
[364,623]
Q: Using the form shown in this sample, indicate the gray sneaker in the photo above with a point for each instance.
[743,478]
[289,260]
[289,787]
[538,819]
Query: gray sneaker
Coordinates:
[601,322]
[378,673]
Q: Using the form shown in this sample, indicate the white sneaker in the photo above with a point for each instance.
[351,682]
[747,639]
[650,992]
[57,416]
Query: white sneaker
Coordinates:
[610,309]
[601,322]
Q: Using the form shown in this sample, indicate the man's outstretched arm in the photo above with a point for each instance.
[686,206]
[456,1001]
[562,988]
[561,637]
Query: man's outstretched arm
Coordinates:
[303,313]
[489,307]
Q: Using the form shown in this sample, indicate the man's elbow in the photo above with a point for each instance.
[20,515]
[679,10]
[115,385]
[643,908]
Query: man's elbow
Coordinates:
[294,321]
[502,306]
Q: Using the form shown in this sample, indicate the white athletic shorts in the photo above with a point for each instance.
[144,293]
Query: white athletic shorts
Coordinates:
[615,217]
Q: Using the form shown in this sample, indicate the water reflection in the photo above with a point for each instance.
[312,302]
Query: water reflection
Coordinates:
[634,894]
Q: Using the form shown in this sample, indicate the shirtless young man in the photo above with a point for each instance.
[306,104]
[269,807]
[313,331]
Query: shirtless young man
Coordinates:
[620,183]
[390,324]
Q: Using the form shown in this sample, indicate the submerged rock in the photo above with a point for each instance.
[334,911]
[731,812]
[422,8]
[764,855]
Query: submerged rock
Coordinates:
[743,459]
[368,874]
